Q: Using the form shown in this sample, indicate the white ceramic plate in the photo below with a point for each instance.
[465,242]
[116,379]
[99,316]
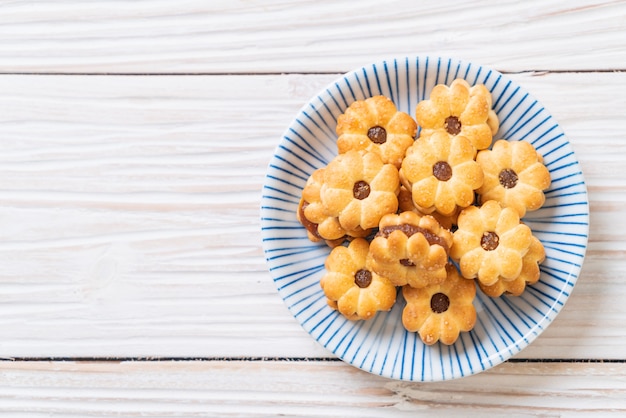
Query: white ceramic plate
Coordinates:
[504,325]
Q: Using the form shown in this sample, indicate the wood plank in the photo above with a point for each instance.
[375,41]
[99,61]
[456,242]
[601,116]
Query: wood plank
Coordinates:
[195,36]
[125,234]
[304,389]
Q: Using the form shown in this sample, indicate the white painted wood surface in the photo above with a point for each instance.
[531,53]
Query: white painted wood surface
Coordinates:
[129,203]
[304,389]
[225,36]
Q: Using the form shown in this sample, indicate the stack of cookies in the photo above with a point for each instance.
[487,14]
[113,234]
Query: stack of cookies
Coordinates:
[436,215]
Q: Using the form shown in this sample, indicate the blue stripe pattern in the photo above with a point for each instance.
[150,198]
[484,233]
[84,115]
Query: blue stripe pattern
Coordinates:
[504,325]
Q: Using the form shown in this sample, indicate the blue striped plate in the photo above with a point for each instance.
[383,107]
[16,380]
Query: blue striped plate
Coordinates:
[504,325]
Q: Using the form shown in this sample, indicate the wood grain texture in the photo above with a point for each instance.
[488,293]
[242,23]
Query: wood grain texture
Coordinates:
[303,389]
[161,36]
[129,215]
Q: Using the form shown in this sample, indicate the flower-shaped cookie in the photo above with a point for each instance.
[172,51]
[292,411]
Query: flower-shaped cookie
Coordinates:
[492,120]
[313,215]
[441,173]
[514,175]
[410,249]
[376,125]
[352,289]
[312,228]
[529,275]
[458,110]
[440,312]
[405,203]
[490,242]
[360,189]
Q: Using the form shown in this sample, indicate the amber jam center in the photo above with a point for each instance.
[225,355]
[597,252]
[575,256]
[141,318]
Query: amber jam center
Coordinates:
[363,278]
[452,125]
[439,303]
[508,178]
[377,134]
[361,190]
[406,262]
[489,241]
[409,230]
[442,171]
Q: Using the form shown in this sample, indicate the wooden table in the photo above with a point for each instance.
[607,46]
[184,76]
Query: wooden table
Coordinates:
[134,139]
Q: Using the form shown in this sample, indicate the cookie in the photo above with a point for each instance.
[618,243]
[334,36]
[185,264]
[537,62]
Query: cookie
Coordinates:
[441,173]
[529,275]
[459,110]
[312,215]
[440,312]
[405,203]
[492,119]
[410,249]
[376,125]
[490,242]
[359,189]
[312,228]
[351,288]
[515,175]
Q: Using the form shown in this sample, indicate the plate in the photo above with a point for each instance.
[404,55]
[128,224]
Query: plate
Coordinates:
[504,325]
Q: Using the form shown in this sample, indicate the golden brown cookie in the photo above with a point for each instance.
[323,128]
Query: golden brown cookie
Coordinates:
[529,275]
[405,203]
[515,175]
[490,242]
[441,173]
[312,228]
[312,215]
[376,125]
[351,288]
[492,119]
[440,312]
[405,200]
[459,110]
[410,249]
[359,189]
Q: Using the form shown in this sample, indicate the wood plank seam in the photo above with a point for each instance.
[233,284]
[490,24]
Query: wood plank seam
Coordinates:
[280,73]
[270,359]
